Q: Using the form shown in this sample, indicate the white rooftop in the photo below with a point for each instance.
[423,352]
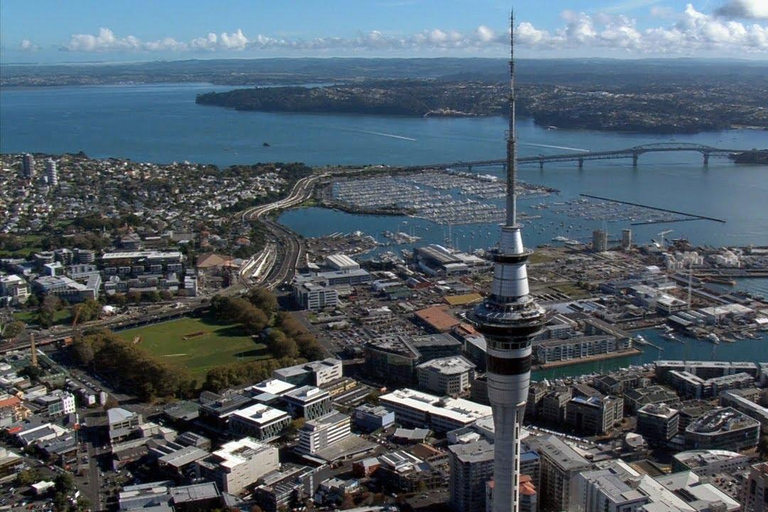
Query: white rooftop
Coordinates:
[239,452]
[273,386]
[260,414]
[456,409]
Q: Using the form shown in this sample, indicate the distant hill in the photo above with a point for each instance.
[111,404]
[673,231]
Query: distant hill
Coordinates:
[296,71]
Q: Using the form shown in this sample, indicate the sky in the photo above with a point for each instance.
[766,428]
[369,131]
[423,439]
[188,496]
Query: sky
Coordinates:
[55,31]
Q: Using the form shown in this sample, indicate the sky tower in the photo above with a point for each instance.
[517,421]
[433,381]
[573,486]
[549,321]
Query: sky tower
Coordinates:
[509,318]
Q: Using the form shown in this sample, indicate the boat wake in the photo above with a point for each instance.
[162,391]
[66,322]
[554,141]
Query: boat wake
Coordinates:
[390,135]
[554,147]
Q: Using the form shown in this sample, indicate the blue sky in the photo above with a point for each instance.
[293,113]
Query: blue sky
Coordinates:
[121,30]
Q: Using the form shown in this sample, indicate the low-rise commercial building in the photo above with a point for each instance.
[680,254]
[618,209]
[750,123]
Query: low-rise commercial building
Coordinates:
[708,462]
[259,421]
[314,373]
[308,402]
[594,415]
[373,417]
[321,433]
[414,408]
[721,429]
[447,375]
[238,464]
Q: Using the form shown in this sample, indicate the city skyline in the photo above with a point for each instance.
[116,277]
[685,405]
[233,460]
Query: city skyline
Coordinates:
[50,32]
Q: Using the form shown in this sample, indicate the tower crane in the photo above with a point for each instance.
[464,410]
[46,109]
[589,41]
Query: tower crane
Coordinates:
[662,235]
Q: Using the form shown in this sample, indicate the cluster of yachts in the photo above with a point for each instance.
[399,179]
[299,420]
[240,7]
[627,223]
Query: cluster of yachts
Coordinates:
[606,211]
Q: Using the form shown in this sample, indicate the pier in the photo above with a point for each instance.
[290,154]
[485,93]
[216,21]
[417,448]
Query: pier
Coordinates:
[692,216]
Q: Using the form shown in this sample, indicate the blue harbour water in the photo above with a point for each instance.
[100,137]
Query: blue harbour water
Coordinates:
[162,123]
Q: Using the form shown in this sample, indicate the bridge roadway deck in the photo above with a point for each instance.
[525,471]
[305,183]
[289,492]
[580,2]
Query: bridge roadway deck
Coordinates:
[633,153]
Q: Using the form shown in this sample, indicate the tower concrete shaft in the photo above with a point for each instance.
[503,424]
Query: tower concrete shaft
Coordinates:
[509,318]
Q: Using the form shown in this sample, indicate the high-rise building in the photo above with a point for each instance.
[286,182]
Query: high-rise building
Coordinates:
[509,318]
[28,166]
[626,239]
[51,173]
[471,469]
[657,423]
[599,240]
[754,494]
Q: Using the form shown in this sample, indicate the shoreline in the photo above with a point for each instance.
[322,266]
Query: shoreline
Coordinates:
[589,359]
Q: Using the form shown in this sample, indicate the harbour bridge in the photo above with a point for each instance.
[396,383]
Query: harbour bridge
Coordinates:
[633,153]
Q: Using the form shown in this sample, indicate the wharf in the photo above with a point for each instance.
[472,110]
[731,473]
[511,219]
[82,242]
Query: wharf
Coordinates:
[589,359]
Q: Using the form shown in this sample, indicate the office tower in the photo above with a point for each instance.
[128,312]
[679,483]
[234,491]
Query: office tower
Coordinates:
[509,318]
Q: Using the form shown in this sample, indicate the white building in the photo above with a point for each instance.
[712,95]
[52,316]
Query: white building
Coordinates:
[446,375]
[323,432]
[238,464]
[315,296]
[58,403]
[259,421]
[14,290]
[315,373]
[419,409]
[51,174]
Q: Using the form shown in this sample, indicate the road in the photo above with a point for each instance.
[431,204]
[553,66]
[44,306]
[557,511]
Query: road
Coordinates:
[279,267]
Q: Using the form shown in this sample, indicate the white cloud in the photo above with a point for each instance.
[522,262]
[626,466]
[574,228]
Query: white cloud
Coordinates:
[684,33]
[747,9]
[692,32]
[28,46]
[105,40]
[224,41]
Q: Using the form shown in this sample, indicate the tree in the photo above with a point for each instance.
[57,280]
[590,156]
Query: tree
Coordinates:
[88,310]
[347,502]
[118,299]
[133,296]
[166,295]
[264,300]
[152,296]
[280,345]
[83,351]
[12,329]
[295,426]
[32,301]
[252,318]
[47,311]
[28,477]
[64,483]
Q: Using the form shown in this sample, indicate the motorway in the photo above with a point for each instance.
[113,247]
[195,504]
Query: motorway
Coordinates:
[277,265]
[280,266]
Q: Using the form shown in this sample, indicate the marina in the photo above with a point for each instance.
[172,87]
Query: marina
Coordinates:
[443,197]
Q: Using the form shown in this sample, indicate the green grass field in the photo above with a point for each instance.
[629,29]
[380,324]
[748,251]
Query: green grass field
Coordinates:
[61,317]
[218,344]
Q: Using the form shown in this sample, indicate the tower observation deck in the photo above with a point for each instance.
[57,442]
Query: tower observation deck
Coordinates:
[509,318]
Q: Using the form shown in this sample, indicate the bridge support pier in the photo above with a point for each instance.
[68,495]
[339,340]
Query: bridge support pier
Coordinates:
[706,158]
[581,163]
[469,168]
[541,164]
[635,156]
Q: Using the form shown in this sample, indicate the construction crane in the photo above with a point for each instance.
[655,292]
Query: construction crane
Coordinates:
[662,235]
